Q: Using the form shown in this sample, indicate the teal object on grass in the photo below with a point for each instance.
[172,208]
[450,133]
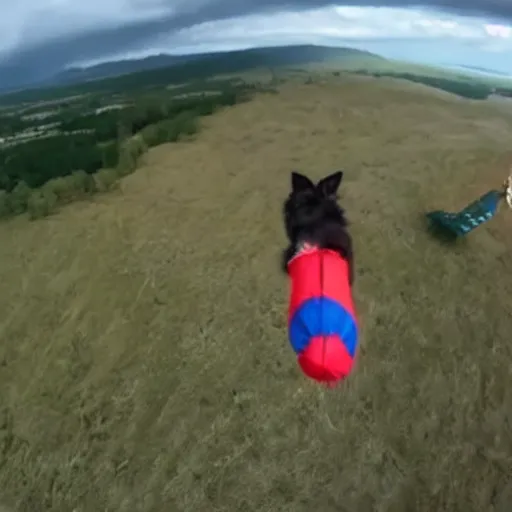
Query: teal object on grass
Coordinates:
[469,218]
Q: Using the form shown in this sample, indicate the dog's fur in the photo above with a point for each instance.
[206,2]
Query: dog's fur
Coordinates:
[313,216]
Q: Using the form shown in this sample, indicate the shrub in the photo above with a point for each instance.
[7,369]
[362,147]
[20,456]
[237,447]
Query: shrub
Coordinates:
[69,188]
[171,130]
[110,154]
[130,151]
[186,124]
[17,200]
[60,188]
[41,203]
[151,135]
[83,183]
[106,179]
[4,204]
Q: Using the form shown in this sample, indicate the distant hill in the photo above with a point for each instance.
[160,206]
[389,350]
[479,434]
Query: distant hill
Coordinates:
[120,67]
[203,64]
[230,61]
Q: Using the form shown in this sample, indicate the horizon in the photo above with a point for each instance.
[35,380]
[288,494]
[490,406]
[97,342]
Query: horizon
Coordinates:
[430,32]
[141,56]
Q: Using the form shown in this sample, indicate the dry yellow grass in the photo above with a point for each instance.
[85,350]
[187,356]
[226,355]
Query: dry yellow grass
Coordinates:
[144,364]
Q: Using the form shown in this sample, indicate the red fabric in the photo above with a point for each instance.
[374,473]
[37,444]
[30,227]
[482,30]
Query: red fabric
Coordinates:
[326,359]
[319,273]
[322,273]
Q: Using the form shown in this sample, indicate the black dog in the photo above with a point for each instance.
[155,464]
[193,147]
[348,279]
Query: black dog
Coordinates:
[313,216]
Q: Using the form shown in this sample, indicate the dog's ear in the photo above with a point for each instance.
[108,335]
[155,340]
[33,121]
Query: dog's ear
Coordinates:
[301,182]
[329,185]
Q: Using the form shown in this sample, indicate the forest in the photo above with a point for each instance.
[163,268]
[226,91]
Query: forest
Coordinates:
[49,155]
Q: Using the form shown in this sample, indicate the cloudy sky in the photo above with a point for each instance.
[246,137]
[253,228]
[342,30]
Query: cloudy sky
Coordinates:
[38,37]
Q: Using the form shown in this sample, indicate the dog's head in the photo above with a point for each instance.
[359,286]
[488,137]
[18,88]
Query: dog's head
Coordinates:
[309,206]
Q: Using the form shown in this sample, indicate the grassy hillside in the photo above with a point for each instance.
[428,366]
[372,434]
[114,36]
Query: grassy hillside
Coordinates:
[144,363]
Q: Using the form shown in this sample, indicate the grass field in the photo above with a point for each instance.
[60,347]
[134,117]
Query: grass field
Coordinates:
[144,361]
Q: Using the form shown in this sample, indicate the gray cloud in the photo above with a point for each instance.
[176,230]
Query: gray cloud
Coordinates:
[38,57]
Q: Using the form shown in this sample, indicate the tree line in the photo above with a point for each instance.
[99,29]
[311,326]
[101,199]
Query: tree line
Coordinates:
[43,174]
[464,88]
[90,141]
